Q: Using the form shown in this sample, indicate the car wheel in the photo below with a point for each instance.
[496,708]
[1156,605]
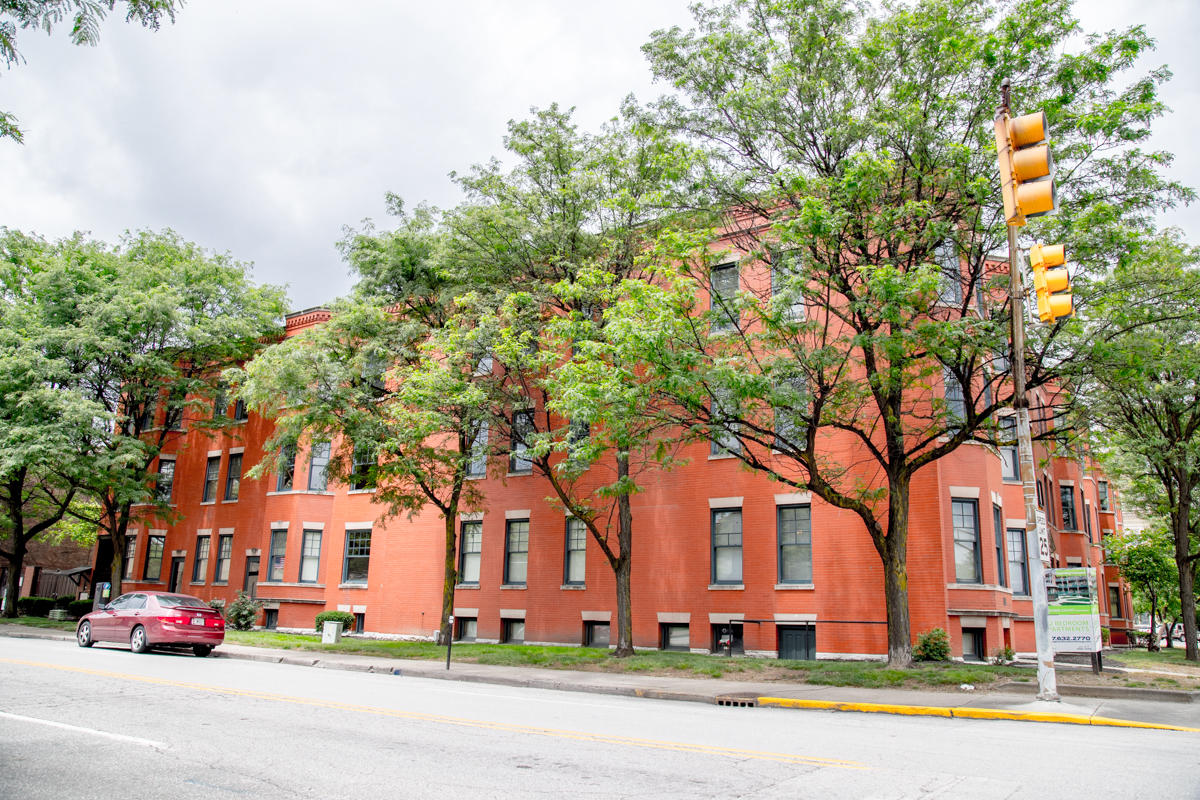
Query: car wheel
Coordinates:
[201,650]
[84,634]
[137,640]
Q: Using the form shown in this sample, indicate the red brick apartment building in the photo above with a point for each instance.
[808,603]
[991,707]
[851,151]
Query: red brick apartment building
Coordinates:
[717,547]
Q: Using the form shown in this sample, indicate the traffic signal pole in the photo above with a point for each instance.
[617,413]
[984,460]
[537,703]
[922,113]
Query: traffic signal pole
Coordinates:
[1047,681]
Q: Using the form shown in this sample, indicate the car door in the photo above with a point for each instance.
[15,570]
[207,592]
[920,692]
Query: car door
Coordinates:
[128,615]
[104,623]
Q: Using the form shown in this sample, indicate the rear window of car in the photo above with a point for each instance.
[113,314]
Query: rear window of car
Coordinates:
[181,601]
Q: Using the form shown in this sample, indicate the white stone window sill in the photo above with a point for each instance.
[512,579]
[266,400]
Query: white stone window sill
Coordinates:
[517,586]
[466,586]
[352,586]
[720,456]
[991,587]
[573,587]
[727,587]
[297,583]
[519,473]
[795,587]
[360,491]
[208,502]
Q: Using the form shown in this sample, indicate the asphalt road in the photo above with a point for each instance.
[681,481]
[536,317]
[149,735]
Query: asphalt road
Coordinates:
[105,723]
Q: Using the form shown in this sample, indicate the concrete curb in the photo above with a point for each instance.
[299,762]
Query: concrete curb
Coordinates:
[1108,692]
[964,713]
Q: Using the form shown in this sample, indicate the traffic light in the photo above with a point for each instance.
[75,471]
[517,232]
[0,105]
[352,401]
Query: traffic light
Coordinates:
[1023,157]
[1050,281]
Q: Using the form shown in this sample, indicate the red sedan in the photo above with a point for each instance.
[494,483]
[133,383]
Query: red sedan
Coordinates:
[154,619]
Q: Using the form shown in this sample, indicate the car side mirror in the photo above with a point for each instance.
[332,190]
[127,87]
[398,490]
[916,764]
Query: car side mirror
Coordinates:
[106,607]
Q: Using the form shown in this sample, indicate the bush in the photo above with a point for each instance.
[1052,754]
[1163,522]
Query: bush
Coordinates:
[77,608]
[242,613]
[1005,655]
[932,645]
[344,617]
[64,601]
[34,606]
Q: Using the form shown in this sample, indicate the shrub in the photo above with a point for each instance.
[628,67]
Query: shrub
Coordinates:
[344,617]
[34,606]
[1005,655]
[77,608]
[932,645]
[64,601]
[242,613]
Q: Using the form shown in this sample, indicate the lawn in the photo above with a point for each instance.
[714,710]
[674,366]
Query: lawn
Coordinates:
[42,622]
[653,662]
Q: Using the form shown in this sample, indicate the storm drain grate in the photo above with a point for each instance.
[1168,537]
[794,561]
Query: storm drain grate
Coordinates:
[737,701]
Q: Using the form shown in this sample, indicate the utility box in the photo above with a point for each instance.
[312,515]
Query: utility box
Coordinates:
[331,633]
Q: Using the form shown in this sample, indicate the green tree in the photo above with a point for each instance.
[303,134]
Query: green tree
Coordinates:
[139,333]
[400,414]
[1147,561]
[85,17]
[851,149]
[1139,388]
[549,247]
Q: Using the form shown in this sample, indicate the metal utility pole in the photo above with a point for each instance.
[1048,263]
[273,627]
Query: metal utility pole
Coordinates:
[1047,682]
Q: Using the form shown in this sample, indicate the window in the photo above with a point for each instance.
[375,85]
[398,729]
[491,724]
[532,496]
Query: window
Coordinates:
[240,413]
[470,551]
[723,286]
[466,628]
[1087,518]
[1114,602]
[727,545]
[145,420]
[956,406]
[173,417]
[365,460]
[522,428]
[310,556]
[360,621]
[484,365]
[1069,520]
[786,289]
[130,554]
[165,484]
[1041,498]
[278,551]
[791,408]
[672,636]
[516,551]
[224,554]
[578,431]
[597,634]
[967,566]
[1102,490]
[1018,567]
[358,557]
[212,469]
[283,483]
[950,292]
[1010,457]
[576,552]
[723,436]
[221,403]
[794,527]
[233,478]
[318,472]
[200,565]
[271,618]
[1001,554]
[477,466]
[512,631]
[154,556]
[974,644]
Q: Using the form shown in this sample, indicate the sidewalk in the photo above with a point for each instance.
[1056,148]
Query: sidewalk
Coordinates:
[1134,710]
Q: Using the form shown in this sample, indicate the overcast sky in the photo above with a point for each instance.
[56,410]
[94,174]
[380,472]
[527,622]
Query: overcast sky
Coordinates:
[262,128]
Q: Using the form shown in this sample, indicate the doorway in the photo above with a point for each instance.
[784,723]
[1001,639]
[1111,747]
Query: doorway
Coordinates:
[250,585]
[798,642]
[176,574]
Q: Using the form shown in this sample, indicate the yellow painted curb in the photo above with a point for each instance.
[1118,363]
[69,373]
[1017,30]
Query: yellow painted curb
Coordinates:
[964,713]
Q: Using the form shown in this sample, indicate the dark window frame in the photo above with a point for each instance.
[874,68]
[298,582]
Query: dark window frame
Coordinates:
[717,547]
[164,489]
[957,503]
[1017,547]
[803,534]
[470,548]
[357,548]
[1001,548]
[224,558]
[575,545]
[1066,498]
[318,466]
[154,555]
[277,555]
[522,426]
[212,477]
[233,478]
[722,299]
[511,527]
[200,560]
[286,479]
[127,571]
[664,636]
[308,558]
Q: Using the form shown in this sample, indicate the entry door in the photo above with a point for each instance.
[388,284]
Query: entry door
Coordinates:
[798,642]
[251,583]
[176,574]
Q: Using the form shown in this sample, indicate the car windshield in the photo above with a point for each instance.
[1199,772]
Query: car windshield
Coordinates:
[181,601]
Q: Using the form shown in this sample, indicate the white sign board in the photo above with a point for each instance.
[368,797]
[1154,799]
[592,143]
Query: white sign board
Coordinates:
[1074,610]
[1043,538]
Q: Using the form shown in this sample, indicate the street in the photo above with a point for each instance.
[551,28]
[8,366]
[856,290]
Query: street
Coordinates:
[107,723]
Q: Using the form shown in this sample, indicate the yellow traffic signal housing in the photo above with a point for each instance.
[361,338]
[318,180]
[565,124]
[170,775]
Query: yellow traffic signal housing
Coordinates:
[1025,164]
[1051,281]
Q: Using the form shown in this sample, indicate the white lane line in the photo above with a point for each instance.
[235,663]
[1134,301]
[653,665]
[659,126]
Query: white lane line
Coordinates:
[115,736]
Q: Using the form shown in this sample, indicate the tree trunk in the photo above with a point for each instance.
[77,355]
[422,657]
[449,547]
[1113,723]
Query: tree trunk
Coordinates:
[12,586]
[895,576]
[1184,566]
[624,564]
[449,580]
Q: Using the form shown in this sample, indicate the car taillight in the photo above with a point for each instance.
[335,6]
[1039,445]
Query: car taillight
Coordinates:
[177,620]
